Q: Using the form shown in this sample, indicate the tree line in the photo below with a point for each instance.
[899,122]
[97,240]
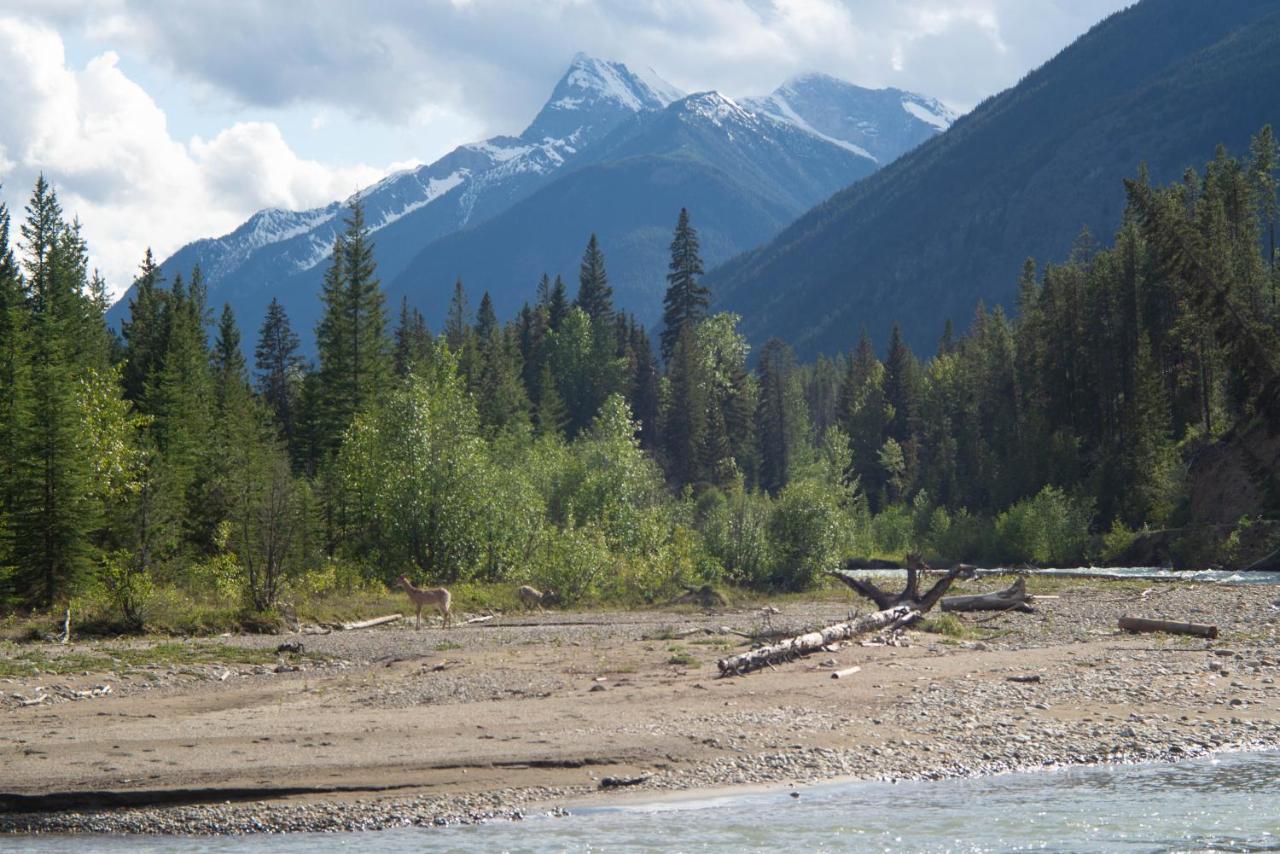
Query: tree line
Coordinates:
[559,447]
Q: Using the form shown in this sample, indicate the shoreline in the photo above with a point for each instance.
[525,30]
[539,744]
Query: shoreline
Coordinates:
[372,816]
[526,720]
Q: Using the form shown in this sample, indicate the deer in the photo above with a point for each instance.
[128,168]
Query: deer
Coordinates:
[530,597]
[419,596]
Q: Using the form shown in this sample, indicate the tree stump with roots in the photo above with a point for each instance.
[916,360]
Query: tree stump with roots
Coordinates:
[909,595]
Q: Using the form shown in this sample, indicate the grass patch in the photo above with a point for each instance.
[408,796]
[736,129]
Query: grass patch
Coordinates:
[680,657]
[947,625]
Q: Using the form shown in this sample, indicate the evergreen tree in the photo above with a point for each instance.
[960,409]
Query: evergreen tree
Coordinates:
[501,401]
[595,296]
[551,417]
[557,305]
[413,344]
[15,386]
[865,417]
[782,426]
[145,336]
[486,318]
[1263,167]
[684,427]
[644,398]
[279,368]
[686,300]
[457,326]
[54,515]
[351,339]
[227,359]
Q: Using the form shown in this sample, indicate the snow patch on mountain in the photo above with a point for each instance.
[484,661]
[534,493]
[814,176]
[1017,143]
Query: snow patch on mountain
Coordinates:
[934,113]
[784,112]
[432,190]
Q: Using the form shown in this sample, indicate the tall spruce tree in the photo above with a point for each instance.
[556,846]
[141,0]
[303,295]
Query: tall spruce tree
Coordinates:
[486,318]
[865,417]
[279,368]
[55,516]
[557,305]
[782,424]
[144,333]
[684,424]
[413,344]
[351,338]
[595,296]
[457,324]
[644,398]
[686,300]
[15,388]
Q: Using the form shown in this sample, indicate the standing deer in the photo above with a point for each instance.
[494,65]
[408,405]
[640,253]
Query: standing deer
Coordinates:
[531,598]
[437,596]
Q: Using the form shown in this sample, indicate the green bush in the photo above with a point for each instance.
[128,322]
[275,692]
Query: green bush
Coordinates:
[892,531]
[1051,528]
[805,534]
[735,530]
[573,562]
[1117,541]
[958,536]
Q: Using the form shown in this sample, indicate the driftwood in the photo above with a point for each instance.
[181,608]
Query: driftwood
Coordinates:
[910,595]
[848,671]
[1013,598]
[1142,624]
[795,647]
[619,782]
[1270,563]
[368,624]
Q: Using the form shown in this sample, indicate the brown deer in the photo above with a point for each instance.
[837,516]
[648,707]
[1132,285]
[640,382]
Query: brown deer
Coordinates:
[531,598]
[419,596]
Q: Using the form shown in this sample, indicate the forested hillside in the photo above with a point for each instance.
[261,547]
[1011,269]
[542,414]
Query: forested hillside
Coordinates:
[920,241]
[568,447]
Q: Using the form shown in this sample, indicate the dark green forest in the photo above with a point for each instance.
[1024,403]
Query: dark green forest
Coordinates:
[568,448]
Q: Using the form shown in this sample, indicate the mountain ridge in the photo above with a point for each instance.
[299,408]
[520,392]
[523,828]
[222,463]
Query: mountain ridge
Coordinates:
[1163,81]
[593,110]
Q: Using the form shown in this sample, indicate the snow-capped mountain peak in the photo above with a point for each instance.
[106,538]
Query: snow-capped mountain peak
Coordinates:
[595,92]
[716,107]
[877,123]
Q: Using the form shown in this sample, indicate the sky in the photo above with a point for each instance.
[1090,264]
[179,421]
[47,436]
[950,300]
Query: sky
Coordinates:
[162,122]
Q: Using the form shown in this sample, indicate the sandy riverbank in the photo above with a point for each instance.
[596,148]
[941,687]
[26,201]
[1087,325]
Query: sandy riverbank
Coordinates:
[389,726]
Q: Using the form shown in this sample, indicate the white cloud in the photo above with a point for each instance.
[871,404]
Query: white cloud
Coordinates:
[105,145]
[401,61]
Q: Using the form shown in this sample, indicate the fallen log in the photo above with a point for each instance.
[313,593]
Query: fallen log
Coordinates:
[1142,624]
[1013,598]
[486,618]
[368,624]
[619,782]
[804,644]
